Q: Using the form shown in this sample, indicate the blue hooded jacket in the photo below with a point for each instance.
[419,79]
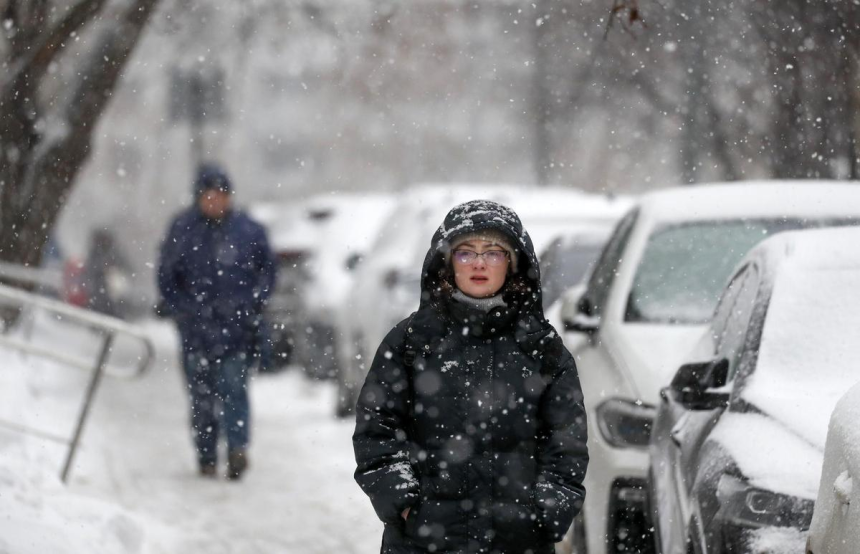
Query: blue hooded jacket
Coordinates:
[215,277]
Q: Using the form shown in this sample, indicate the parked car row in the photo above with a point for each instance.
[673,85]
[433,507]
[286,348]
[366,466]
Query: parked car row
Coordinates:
[715,451]
[710,325]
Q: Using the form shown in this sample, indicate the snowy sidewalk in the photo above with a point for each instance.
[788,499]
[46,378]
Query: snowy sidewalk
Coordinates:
[297,497]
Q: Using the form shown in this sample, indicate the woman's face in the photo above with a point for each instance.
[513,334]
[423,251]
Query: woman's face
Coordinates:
[485,275]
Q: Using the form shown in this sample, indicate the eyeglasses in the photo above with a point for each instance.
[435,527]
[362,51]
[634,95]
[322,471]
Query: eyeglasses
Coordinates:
[492,257]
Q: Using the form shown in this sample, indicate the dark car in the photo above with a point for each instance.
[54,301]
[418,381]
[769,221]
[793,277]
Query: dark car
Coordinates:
[737,444]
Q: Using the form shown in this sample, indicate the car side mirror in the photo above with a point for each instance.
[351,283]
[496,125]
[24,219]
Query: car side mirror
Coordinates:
[693,384]
[576,312]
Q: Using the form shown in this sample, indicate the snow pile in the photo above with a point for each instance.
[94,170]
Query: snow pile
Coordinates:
[777,540]
[134,487]
[37,512]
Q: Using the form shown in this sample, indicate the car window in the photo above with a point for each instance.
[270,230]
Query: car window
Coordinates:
[731,343]
[563,266]
[604,272]
[685,266]
[725,305]
[684,269]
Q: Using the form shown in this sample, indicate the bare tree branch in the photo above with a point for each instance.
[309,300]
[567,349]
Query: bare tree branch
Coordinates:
[23,22]
[30,69]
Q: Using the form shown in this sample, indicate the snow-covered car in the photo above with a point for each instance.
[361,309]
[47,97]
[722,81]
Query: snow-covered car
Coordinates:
[347,225]
[647,301]
[292,238]
[387,286]
[738,439]
[318,242]
[835,525]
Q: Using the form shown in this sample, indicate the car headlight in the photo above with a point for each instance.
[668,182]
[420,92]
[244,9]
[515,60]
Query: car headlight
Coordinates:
[748,506]
[625,424]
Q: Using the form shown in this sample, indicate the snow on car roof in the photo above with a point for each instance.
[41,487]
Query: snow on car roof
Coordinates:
[530,200]
[301,224]
[544,211]
[721,201]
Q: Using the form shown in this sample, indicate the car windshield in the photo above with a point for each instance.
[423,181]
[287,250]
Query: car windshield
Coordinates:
[685,267]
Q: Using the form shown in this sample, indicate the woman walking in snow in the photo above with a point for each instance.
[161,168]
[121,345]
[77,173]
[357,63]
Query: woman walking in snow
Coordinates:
[470,428]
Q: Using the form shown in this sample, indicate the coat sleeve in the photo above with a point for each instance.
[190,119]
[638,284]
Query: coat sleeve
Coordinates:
[171,283]
[562,450]
[381,439]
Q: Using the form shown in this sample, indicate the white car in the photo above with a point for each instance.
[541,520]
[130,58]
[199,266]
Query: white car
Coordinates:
[292,238]
[348,224]
[836,519]
[317,242]
[646,303]
[387,285]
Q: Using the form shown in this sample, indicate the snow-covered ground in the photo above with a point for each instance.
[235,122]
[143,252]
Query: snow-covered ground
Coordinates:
[134,487]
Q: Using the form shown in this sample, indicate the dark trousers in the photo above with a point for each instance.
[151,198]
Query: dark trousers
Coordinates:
[218,391]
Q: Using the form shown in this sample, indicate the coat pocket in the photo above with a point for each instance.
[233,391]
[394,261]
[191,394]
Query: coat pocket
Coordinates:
[518,527]
[434,525]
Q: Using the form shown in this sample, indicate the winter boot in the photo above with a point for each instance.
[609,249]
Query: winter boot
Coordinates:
[237,463]
[208,469]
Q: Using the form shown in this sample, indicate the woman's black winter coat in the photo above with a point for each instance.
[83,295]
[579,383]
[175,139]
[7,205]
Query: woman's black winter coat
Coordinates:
[475,420]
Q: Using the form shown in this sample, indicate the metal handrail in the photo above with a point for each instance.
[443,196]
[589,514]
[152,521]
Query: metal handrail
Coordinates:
[89,317]
[40,276]
[109,327]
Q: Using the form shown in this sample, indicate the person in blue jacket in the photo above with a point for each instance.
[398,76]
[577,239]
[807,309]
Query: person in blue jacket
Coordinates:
[215,274]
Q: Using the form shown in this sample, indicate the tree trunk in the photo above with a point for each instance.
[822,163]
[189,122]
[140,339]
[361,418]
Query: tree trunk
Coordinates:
[38,168]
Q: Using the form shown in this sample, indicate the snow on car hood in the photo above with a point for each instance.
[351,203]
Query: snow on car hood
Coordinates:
[651,354]
[770,455]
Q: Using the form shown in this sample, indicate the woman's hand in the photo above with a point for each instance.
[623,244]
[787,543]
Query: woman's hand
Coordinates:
[405,513]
